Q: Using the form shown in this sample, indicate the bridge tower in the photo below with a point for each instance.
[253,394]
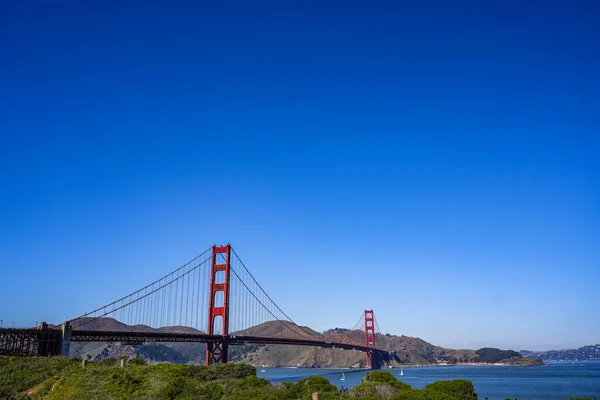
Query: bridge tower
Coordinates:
[218,304]
[369,337]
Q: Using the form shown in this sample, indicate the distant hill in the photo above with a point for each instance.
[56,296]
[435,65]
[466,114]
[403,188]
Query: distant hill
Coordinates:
[489,355]
[170,352]
[404,350]
[585,353]
[111,324]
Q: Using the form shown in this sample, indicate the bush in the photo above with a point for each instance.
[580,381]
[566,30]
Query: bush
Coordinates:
[582,398]
[382,391]
[414,394]
[253,393]
[18,374]
[307,386]
[380,376]
[172,389]
[137,361]
[379,385]
[253,382]
[459,389]
[221,371]
[386,377]
[108,362]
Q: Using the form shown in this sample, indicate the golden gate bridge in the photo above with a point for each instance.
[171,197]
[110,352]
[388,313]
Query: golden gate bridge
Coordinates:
[212,299]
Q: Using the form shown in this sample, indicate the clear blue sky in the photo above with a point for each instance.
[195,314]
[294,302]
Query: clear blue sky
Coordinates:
[438,162]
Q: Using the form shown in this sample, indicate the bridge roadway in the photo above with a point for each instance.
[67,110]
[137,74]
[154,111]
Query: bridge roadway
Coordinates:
[145,337]
[46,342]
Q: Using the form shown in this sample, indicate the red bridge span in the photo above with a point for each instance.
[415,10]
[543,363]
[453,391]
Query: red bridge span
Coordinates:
[212,299]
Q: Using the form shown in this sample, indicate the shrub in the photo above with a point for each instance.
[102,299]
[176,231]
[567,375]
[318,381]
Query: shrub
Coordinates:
[172,389]
[252,382]
[253,393]
[18,374]
[382,391]
[460,389]
[305,387]
[425,394]
[381,377]
[108,362]
[387,378]
[317,384]
[582,398]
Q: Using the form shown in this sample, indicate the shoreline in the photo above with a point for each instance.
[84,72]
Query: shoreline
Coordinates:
[465,365]
[415,366]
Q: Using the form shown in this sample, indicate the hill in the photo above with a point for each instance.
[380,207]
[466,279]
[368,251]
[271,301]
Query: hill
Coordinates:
[404,350]
[585,353]
[489,355]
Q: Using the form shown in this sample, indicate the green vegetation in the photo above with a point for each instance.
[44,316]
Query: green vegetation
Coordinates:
[524,361]
[63,379]
[17,375]
[459,389]
[489,355]
[570,398]
[66,379]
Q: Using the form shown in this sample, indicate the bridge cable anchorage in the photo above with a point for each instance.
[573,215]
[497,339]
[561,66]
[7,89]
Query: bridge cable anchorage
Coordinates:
[139,303]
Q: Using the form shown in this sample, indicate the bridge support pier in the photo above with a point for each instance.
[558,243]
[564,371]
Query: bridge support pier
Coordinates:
[65,336]
[216,352]
[374,359]
[44,345]
[49,341]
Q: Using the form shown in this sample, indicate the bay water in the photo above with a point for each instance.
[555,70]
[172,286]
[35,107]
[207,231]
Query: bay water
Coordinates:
[549,382]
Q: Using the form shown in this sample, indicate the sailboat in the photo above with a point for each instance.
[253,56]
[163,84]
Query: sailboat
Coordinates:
[343,377]
[401,372]
[263,368]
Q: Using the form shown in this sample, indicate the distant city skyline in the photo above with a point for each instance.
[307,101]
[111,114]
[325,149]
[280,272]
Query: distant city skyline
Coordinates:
[437,162]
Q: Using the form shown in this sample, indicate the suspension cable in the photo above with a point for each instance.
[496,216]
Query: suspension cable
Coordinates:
[138,298]
[145,287]
[265,293]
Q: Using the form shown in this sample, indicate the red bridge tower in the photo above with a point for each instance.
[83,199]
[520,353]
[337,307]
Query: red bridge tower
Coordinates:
[218,304]
[369,336]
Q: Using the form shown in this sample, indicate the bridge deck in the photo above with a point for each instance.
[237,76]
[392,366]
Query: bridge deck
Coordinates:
[148,337]
[27,339]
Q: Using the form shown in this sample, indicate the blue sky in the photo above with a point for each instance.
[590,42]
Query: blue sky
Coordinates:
[436,163]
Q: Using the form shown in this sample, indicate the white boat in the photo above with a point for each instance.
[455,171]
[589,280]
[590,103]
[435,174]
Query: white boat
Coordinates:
[401,372]
[343,377]
[263,368]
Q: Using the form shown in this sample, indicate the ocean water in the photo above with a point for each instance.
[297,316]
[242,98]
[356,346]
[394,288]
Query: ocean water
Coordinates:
[548,382]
